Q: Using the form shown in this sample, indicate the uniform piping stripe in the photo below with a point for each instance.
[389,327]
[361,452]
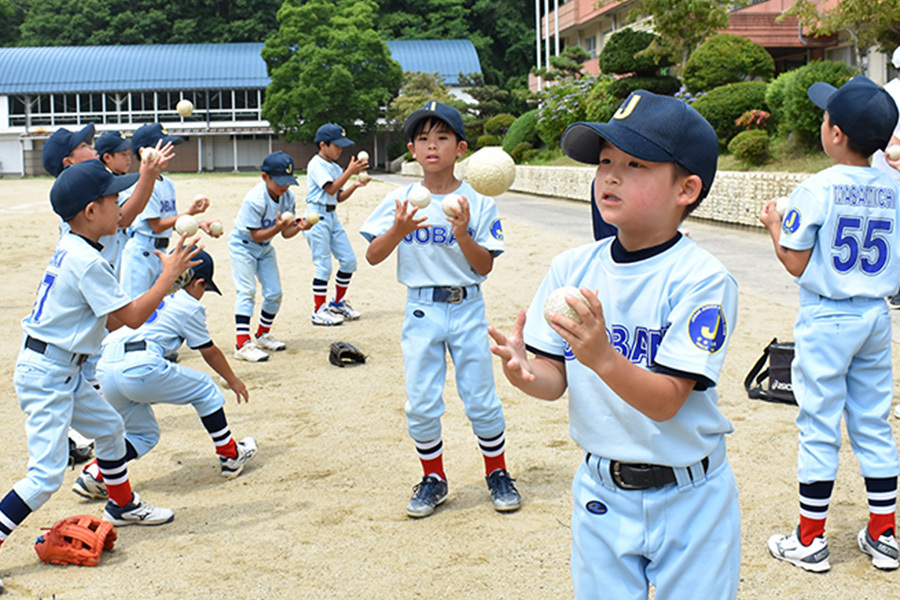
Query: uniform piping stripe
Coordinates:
[115,480]
[814,515]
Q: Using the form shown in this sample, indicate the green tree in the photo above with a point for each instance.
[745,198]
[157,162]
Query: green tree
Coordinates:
[327,64]
[12,13]
[417,89]
[866,22]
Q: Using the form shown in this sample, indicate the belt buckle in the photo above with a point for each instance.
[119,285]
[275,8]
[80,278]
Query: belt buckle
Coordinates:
[456,294]
[615,469]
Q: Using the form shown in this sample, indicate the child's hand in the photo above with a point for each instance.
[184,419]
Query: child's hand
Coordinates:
[512,352]
[769,216]
[240,390]
[181,258]
[407,222]
[154,167]
[588,339]
[204,225]
[200,204]
[460,221]
[357,166]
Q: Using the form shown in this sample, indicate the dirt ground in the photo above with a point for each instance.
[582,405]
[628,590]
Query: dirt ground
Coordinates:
[320,512]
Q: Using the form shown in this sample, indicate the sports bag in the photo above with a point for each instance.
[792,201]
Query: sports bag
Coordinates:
[779,356]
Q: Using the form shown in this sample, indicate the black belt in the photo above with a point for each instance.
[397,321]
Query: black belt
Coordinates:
[41,348]
[330,207]
[138,346]
[451,294]
[642,476]
[160,243]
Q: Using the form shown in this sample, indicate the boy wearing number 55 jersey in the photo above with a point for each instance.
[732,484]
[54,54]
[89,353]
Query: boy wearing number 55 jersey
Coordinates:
[839,239]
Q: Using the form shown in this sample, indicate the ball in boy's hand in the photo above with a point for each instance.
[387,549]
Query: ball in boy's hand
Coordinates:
[149,154]
[363,155]
[781,205]
[491,171]
[556,303]
[893,151]
[186,224]
[184,107]
[363,175]
[419,196]
[216,228]
[450,205]
[287,216]
[312,218]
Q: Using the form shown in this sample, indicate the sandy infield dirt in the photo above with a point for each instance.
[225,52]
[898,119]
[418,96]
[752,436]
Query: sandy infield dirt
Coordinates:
[320,512]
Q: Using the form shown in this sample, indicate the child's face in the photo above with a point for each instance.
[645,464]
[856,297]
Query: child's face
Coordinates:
[331,152]
[275,191]
[436,148]
[106,210]
[81,153]
[118,162]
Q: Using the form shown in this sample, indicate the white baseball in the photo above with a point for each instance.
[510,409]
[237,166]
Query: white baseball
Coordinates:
[287,216]
[216,228]
[556,303]
[149,154]
[491,171]
[451,203]
[893,151]
[186,224]
[781,205]
[419,196]
[363,176]
[184,107]
[312,218]
[363,155]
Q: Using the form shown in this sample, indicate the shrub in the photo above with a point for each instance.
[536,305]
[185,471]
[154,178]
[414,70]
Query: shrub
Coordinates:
[750,147]
[396,148]
[753,119]
[618,55]
[499,124]
[600,105]
[561,105]
[726,58]
[522,130]
[487,139]
[665,85]
[723,105]
[518,153]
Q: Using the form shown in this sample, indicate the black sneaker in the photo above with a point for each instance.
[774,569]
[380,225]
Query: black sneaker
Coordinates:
[430,492]
[503,493]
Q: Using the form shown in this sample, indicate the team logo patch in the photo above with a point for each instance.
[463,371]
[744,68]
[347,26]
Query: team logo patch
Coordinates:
[707,328]
[595,507]
[791,222]
[567,353]
[418,313]
[497,230]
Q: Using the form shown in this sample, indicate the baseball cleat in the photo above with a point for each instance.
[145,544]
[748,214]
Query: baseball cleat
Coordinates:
[344,310]
[136,512]
[326,318]
[230,468]
[251,353]
[811,558]
[267,342]
[427,494]
[87,485]
[503,493]
[883,552]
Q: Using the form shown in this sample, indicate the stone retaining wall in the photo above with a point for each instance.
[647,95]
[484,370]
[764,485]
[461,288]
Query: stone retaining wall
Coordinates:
[736,197]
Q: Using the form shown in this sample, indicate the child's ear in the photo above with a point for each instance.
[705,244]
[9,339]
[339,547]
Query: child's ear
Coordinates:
[411,148]
[691,186]
[461,148]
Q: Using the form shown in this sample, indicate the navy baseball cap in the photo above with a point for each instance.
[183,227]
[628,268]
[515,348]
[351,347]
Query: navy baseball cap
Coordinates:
[60,144]
[650,127]
[280,167]
[81,184]
[435,110]
[148,135]
[110,143]
[863,110]
[333,134]
[205,271]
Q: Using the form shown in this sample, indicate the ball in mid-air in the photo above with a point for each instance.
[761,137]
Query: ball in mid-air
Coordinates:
[186,224]
[287,216]
[184,107]
[491,171]
[216,228]
[419,196]
[556,303]
[450,204]
[893,151]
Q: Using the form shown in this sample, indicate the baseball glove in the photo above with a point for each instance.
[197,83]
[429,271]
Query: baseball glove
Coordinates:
[343,353]
[77,540]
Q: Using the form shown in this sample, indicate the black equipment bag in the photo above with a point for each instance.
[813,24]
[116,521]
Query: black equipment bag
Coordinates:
[779,356]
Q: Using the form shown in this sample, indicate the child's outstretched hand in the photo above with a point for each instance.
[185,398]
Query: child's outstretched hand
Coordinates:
[181,258]
[769,216]
[154,167]
[588,339]
[199,204]
[240,390]
[407,222]
[460,219]
[357,166]
[512,352]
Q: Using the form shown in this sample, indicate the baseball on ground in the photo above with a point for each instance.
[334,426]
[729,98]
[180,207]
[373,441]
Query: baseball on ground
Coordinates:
[450,205]
[186,224]
[216,228]
[184,107]
[491,171]
[312,218]
[893,151]
[419,196]
[149,154]
[556,303]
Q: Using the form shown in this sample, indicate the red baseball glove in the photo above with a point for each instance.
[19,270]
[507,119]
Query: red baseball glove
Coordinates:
[77,540]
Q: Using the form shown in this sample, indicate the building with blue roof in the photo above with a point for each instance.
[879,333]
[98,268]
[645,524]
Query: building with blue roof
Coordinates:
[123,87]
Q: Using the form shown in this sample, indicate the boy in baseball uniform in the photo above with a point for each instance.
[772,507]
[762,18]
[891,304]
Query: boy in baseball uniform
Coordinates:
[839,239]
[327,184]
[443,261]
[134,375]
[66,148]
[253,255]
[78,299]
[654,500]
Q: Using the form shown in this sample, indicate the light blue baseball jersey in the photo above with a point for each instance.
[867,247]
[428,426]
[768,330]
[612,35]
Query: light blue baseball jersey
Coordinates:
[160,205]
[674,310]
[78,290]
[179,318]
[112,244]
[430,257]
[849,217]
[260,211]
[320,172]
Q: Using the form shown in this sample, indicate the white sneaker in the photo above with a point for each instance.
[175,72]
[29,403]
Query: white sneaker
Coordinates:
[811,558]
[88,485]
[325,317]
[343,309]
[883,552]
[897,412]
[251,353]
[136,512]
[267,342]
[232,467]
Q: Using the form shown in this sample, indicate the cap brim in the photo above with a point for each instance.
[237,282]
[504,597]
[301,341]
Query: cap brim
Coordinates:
[412,121]
[212,287]
[86,134]
[173,139]
[582,141]
[120,183]
[283,180]
[819,93]
[343,142]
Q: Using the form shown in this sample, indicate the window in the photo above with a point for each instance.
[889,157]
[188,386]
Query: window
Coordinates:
[590,44]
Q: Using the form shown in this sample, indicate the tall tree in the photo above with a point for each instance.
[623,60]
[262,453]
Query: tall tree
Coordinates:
[327,64]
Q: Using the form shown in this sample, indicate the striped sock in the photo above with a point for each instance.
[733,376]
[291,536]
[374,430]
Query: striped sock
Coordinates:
[115,476]
[882,495]
[494,451]
[217,426]
[814,500]
[242,328]
[431,455]
[13,511]
[320,293]
[265,323]
[341,283]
